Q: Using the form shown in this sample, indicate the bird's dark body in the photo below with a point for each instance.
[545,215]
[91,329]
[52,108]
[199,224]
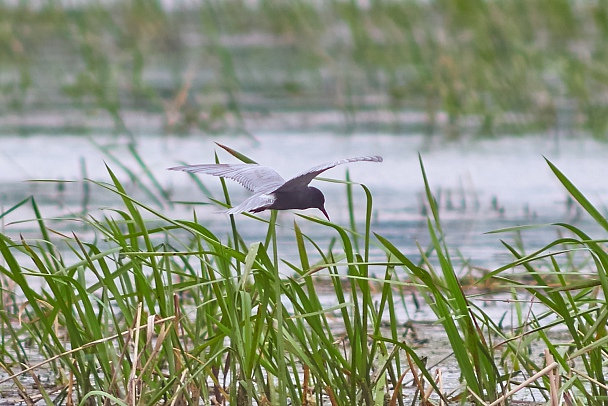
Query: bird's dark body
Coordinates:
[304,198]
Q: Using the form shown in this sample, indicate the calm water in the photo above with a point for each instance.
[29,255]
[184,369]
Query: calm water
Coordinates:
[482,185]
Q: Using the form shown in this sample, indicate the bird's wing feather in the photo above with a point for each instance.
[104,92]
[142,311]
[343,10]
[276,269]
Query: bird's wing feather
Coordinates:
[258,201]
[305,178]
[254,177]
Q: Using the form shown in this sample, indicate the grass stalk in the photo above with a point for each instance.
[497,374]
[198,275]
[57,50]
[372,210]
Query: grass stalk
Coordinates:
[184,315]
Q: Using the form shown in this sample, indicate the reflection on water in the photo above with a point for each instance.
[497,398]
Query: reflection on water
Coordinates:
[481,186]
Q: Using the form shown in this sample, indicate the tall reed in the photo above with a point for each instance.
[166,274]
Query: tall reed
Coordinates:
[144,308]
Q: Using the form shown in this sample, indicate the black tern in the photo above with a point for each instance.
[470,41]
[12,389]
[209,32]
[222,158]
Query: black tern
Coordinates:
[270,190]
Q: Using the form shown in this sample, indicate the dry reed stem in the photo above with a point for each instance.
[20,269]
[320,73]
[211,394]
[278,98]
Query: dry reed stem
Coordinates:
[397,388]
[305,395]
[584,375]
[553,381]
[332,397]
[82,347]
[525,383]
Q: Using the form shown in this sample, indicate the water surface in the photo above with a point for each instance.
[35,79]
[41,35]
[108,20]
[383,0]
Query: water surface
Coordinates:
[482,185]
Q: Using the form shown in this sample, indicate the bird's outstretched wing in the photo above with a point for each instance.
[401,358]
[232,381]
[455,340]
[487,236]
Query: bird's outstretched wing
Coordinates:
[258,179]
[305,178]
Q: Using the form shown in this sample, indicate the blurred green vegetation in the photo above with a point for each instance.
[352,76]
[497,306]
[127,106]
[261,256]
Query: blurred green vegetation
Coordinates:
[469,67]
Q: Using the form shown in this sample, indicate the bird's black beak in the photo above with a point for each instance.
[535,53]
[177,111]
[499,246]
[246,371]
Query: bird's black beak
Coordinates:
[324,212]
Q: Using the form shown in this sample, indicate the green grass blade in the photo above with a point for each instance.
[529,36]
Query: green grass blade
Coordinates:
[579,197]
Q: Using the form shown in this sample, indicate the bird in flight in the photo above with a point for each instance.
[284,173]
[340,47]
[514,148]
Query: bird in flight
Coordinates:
[270,190]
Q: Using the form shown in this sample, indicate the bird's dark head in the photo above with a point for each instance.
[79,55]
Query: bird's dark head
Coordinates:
[318,200]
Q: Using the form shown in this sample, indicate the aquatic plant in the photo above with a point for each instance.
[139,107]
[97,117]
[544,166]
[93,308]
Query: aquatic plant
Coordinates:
[139,307]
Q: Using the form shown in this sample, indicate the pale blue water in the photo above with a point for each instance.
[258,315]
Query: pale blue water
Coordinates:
[482,185]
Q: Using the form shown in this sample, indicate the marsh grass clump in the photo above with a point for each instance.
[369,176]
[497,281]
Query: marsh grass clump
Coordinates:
[149,309]
[157,309]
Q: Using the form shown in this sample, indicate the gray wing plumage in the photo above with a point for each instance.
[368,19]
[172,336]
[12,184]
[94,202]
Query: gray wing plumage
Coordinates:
[257,202]
[258,179]
[306,177]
